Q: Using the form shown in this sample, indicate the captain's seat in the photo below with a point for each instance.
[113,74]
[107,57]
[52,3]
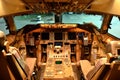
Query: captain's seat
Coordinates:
[20,69]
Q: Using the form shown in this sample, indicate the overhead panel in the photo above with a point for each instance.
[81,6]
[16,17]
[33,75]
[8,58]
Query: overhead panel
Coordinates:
[57,6]
[32,1]
[57,0]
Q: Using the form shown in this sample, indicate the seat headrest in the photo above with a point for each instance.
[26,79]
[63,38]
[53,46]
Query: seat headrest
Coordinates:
[2,38]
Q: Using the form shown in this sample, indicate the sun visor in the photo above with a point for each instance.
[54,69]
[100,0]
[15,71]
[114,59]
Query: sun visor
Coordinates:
[105,6]
[9,7]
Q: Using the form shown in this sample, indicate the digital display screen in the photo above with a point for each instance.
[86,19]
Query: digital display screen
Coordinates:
[58,62]
[71,35]
[118,51]
[45,36]
[58,35]
[58,43]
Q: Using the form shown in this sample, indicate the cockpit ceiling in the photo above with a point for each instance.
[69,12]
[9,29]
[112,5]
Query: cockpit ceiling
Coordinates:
[63,1]
[90,6]
[8,7]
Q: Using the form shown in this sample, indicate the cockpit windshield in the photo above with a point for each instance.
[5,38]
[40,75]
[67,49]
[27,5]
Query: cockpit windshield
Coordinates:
[69,17]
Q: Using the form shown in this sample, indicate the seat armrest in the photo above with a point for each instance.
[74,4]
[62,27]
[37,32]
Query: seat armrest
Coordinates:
[85,67]
[31,62]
